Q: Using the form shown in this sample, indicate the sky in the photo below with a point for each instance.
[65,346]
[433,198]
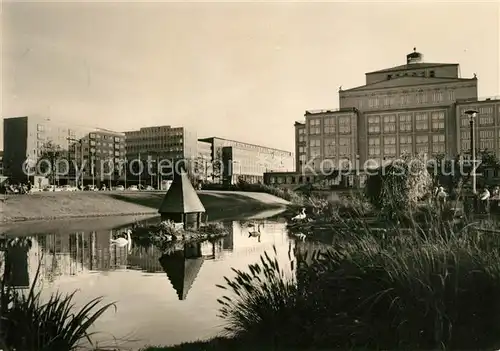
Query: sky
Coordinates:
[241,70]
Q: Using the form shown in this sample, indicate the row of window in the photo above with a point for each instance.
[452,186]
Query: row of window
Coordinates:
[390,151]
[483,134]
[330,125]
[484,144]
[422,97]
[389,122]
[407,139]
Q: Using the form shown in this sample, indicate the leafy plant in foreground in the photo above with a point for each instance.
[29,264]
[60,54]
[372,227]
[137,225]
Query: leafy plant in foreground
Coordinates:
[30,324]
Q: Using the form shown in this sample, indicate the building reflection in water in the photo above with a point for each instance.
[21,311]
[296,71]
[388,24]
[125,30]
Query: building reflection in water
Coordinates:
[15,262]
[85,252]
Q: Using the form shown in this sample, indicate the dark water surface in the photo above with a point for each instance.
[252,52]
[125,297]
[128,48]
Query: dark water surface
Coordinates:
[165,299]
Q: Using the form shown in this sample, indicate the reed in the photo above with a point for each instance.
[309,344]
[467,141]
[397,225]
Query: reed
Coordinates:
[29,323]
[430,284]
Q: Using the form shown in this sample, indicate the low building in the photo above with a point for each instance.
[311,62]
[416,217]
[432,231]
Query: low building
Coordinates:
[234,160]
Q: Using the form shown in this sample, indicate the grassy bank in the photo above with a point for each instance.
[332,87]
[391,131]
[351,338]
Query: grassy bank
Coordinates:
[63,205]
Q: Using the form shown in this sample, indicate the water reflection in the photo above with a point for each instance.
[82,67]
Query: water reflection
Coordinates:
[146,283]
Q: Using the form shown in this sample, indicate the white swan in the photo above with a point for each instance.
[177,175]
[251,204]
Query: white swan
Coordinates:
[255,233]
[121,242]
[300,216]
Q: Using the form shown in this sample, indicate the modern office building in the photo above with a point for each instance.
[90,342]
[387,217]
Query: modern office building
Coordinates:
[158,144]
[235,160]
[414,108]
[28,138]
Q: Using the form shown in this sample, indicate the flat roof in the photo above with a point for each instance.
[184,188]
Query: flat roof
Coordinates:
[242,142]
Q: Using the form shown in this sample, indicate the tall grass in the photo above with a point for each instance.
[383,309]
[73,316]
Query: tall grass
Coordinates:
[28,323]
[429,285]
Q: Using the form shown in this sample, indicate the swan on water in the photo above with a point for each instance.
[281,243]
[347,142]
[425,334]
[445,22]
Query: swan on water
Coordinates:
[300,216]
[121,242]
[255,233]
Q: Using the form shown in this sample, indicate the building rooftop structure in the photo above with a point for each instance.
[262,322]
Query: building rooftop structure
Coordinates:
[413,66]
[181,197]
[241,142]
[404,81]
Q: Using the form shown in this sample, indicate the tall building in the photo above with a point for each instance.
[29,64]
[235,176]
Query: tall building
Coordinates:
[331,138]
[486,126]
[235,160]
[157,144]
[408,109]
[414,108]
[27,137]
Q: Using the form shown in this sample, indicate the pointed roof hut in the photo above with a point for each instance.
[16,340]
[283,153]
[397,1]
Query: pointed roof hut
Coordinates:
[181,203]
[181,271]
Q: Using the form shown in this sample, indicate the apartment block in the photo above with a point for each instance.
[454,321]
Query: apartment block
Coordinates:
[26,137]
[246,161]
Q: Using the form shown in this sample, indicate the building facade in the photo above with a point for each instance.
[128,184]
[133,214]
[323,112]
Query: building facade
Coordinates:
[486,126]
[162,147]
[102,154]
[415,108]
[28,137]
[300,145]
[408,109]
[204,165]
[235,160]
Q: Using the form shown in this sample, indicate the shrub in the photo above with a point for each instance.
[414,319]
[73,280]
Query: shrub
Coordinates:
[399,185]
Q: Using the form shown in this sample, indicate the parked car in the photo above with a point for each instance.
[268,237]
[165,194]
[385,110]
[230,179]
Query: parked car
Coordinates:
[120,188]
[90,188]
[133,188]
[150,188]
[69,188]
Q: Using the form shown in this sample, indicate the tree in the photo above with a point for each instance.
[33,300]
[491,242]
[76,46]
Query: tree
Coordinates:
[217,166]
[51,153]
[398,185]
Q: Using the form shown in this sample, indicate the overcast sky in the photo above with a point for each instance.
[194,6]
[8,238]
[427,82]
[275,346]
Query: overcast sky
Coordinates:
[244,71]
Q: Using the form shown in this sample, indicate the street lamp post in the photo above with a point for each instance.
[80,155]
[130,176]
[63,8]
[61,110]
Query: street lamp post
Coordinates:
[81,161]
[472,113]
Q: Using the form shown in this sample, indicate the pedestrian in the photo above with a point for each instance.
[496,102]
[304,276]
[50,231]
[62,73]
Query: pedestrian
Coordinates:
[441,197]
[485,200]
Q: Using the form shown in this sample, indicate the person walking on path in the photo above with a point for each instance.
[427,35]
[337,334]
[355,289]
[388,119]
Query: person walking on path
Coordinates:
[441,197]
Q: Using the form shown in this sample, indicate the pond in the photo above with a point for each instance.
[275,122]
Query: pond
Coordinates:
[161,300]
